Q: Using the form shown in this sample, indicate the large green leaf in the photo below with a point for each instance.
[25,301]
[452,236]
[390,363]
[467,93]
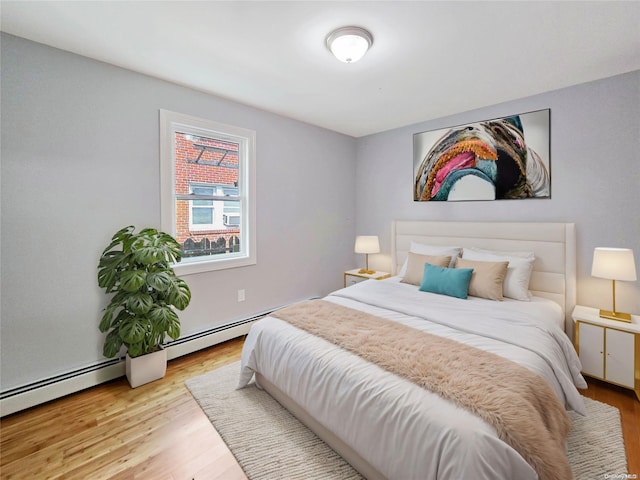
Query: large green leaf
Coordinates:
[161,316]
[123,316]
[107,279]
[139,303]
[148,232]
[136,349]
[120,237]
[105,323]
[180,295]
[161,281]
[172,249]
[119,299]
[108,269]
[147,255]
[132,280]
[112,344]
[134,330]
[152,247]
[111,259]
[123,233]
[173,328]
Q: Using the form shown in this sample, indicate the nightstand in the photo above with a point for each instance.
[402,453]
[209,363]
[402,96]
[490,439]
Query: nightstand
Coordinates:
[351,277]
[608,349]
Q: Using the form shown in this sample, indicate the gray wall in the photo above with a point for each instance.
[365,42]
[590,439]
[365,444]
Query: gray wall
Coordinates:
[80,159]
[595,170]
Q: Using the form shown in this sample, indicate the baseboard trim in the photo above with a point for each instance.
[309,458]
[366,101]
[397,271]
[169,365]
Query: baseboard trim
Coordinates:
[45,391]
[62,385]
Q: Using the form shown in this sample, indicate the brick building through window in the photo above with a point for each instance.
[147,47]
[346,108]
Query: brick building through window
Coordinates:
[207,201]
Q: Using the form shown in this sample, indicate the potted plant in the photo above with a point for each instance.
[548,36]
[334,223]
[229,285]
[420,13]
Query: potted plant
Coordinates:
[136,268]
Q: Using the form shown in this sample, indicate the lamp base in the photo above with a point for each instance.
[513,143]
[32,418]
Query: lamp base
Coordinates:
[622,317]
[368,272]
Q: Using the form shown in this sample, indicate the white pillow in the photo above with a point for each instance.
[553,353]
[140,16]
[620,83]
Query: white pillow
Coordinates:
[435,250]
[502,253]
[516,281]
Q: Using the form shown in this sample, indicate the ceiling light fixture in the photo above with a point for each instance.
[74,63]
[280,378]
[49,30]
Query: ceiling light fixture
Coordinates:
[349,44]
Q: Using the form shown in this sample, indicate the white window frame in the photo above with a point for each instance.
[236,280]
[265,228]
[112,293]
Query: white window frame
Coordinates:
[172,122]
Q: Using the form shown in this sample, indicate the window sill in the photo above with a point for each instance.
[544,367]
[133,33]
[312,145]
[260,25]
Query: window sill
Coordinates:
[189,268]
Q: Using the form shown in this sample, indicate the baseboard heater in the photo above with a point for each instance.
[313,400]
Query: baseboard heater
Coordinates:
[42,391]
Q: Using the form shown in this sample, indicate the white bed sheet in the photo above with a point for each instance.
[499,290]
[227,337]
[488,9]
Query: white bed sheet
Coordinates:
[402,430]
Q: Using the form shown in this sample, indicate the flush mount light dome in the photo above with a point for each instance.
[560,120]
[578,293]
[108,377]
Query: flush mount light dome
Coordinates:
[349,44]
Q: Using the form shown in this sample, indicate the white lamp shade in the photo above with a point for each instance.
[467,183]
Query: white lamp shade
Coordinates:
[614,264]
[367,244]
[349,44]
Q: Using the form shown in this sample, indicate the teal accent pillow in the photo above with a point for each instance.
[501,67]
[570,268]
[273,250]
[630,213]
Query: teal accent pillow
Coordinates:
[446,281]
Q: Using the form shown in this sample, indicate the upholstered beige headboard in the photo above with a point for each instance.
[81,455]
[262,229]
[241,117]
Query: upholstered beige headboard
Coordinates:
[554,245]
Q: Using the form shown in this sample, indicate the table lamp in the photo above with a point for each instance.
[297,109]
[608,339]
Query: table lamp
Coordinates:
[367,244]
[614,264]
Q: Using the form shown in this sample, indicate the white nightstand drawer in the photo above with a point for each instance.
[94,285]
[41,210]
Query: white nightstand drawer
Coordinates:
[352,280]
[591,349]
[620,353]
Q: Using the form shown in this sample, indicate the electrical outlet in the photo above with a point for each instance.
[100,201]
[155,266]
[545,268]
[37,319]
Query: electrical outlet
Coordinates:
[241,295]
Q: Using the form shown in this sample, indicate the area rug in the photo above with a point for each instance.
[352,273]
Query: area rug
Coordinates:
[270,443]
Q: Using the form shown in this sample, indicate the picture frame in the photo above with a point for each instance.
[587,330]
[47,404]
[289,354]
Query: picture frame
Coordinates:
[504,158]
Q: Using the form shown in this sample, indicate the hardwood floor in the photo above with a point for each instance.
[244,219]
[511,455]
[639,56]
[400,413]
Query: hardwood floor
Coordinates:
[158,432]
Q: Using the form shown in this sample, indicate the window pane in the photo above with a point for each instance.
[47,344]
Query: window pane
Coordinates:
[201,190]
[205,165]
[202,216]
[232,207]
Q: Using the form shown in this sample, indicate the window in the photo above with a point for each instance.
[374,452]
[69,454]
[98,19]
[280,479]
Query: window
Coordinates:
[201,211]
[218,208]
[208,204]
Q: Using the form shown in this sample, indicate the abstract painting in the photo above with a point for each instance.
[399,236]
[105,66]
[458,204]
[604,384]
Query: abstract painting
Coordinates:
[503,158]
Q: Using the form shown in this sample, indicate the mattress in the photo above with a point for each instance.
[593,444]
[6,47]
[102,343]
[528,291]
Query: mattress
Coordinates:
[402,430]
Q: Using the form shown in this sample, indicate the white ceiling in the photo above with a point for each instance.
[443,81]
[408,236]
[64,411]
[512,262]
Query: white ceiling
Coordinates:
[428,60]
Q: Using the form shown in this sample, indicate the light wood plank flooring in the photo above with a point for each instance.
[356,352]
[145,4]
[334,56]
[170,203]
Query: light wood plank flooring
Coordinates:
[158,432]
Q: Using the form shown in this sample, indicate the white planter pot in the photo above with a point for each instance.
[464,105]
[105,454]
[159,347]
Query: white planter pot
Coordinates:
[146,368]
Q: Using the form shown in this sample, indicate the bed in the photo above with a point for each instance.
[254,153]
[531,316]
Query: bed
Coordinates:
[387,426]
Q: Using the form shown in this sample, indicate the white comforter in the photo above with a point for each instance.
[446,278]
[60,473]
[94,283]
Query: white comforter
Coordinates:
[402,430]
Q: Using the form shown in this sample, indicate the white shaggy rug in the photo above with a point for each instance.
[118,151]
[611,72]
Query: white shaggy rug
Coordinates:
[270,443]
